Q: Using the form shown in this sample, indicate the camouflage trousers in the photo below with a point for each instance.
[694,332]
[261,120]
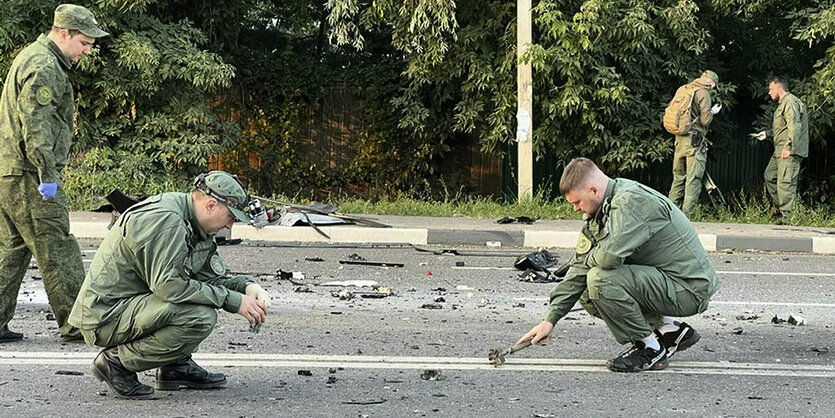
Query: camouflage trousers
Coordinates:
[631,299]
[688,169]
[31,225]
[781,182]
[151,333]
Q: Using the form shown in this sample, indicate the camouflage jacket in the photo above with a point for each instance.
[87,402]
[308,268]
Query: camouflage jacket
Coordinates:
[36,110]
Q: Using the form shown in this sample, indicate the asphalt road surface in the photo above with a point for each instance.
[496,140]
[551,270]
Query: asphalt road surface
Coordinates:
[320,355]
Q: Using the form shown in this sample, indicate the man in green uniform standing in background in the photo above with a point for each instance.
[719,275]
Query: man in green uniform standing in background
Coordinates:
[638,263]
[691,149]
[790,132]
[36,127]
[152,291]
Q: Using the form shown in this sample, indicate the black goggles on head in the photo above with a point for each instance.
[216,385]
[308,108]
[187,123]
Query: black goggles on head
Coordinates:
[251,207]
[200,184]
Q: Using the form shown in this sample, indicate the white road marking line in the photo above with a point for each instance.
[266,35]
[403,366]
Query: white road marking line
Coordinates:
[776,273]
[445,363]
[719,302]
[482,268]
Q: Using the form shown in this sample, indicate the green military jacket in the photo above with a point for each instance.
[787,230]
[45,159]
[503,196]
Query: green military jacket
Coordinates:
[158,247]
[790,127]
[635,225]
[36,110]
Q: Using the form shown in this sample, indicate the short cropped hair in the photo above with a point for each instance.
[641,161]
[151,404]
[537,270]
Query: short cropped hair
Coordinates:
[782,82]
[71,32]
[576,174]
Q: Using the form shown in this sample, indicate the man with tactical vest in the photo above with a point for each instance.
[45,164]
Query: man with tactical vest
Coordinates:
[638,263]
[151,294]
[691,146]
[36,127]
[790,133]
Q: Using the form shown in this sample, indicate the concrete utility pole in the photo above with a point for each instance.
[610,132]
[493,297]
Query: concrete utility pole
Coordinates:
[524,92]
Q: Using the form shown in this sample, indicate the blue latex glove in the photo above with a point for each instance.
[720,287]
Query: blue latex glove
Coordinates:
[48,190]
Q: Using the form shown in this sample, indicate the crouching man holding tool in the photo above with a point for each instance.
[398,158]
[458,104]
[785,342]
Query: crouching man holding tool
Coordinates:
[152,291]
[638,263]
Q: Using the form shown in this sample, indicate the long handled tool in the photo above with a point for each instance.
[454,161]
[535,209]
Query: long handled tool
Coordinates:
[497,355]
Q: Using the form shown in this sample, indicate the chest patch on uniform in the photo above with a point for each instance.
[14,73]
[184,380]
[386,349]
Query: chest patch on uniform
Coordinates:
[217,265]
[583,244]
[43,95]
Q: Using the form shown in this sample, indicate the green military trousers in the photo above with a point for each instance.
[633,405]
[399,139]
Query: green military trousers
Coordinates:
[151,333]
[631,299]
[688,169]
[31,225]
[781,182]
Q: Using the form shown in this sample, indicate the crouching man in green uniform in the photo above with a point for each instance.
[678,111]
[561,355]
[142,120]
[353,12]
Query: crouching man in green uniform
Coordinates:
[638,264]
[152,291]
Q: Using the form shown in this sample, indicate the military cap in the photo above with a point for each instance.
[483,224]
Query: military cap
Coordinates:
[711,75]
[227,190]
[73,17]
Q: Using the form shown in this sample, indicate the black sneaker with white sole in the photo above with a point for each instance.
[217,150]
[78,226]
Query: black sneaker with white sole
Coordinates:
[680,340]
[639,358]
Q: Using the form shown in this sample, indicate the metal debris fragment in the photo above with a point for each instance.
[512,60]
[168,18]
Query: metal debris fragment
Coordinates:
[796,319]
[431,374]
[371,402]
[69,373]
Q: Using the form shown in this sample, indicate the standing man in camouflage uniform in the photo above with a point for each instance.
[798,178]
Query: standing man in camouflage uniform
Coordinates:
[36,114]
[638,263]
[790,132]
[691,150]
[152,291]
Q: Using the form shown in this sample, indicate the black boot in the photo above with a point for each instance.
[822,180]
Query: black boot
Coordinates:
[186,373]
[9,336]
[109,369]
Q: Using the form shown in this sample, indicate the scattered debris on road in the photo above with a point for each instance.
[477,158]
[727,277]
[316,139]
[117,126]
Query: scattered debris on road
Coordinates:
[371,402]
[738,330]
[747,317]
[431,306]
[349,283]
[305,373]
[819,350]
[431,374]
[69,373]
[793,319]
[371,263]
[796,319]
[314,259]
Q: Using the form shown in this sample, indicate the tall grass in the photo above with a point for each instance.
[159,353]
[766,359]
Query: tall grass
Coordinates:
[743,207]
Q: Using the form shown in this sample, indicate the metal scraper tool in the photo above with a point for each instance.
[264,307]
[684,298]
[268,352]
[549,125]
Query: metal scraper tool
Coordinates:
[497,355]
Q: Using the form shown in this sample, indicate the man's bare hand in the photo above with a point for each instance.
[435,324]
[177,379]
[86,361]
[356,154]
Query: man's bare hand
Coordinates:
[785,154]
[252,309]
[538,334]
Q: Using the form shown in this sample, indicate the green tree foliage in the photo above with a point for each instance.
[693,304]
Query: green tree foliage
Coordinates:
[180,82]
[143,95]
[603,69]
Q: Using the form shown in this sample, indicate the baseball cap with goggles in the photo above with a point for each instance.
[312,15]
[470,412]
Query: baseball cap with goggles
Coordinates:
[229,191]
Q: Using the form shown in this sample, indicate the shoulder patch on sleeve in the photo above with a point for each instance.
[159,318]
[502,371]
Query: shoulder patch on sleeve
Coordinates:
[44,95]
[583,244]
[218,266]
